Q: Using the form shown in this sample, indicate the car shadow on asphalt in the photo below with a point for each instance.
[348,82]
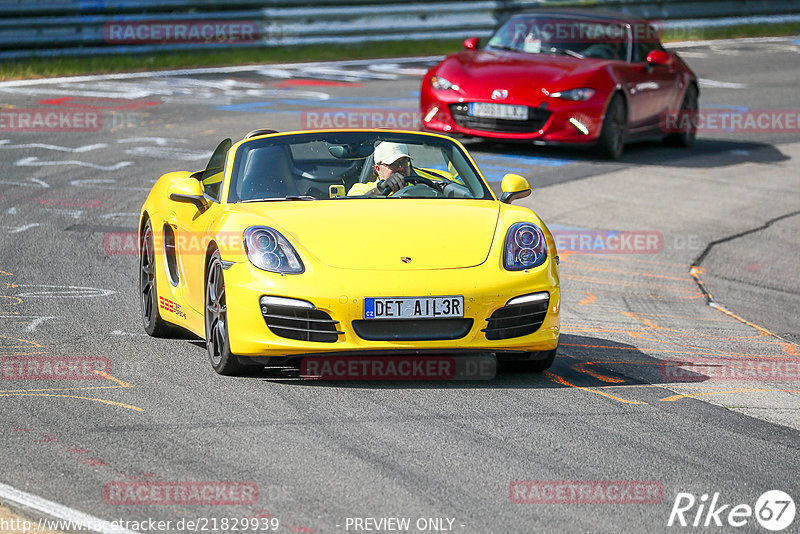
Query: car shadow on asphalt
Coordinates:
[581,362]
[706,153]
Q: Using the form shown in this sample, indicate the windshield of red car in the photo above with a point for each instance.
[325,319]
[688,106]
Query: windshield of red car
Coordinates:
[571,36]
[338,165]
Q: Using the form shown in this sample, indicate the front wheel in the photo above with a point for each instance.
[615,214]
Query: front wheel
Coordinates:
[216,318]
[612,136]
[524,364]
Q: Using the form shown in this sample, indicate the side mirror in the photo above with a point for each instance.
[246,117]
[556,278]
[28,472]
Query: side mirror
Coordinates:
[471,43]
[514,187]
[188,190]
[658,57]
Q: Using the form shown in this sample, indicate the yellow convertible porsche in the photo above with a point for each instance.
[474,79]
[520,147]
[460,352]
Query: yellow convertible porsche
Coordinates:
[347,243]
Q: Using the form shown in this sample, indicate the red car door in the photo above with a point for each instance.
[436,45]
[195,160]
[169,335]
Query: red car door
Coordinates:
[659,83]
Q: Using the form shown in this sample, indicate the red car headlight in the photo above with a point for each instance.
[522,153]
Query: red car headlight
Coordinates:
[443,84]
[580,94]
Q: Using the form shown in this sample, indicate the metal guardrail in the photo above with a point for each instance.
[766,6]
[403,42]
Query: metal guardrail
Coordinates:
[30,28]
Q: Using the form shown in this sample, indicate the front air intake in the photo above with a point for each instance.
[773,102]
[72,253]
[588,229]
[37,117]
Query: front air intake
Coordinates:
[517,320]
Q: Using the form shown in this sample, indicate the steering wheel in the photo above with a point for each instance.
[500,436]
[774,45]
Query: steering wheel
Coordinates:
[417,179]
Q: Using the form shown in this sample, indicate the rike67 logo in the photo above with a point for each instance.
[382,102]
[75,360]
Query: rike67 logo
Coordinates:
[774,510]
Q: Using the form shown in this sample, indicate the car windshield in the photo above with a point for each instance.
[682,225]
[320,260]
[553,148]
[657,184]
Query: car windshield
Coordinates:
[341,165]
[554,35]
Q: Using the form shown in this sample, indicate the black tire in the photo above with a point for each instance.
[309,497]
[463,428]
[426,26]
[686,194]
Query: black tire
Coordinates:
[689,105]
[216,318]
[612,136]
[524,364]
[154,325]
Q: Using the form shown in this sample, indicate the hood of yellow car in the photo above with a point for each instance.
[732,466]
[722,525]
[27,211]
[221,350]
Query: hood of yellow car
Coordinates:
[387,234]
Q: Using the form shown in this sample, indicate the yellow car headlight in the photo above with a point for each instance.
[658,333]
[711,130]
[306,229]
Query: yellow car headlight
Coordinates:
[525,247]
[267,249]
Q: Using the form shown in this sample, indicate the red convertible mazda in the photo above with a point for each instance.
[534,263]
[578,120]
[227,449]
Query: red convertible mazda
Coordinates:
[563,77]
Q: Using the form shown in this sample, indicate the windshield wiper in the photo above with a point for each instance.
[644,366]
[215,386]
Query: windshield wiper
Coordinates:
[276,199]
[567,51]
[504,47]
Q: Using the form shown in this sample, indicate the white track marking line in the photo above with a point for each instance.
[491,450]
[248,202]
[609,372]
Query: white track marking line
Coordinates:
[128,215]
[34,320]
[38,182]
[33,325]
[59,511]
[4,144]
[123,333]
[63,292]
[105,183]
[35,162]
[163,152]
[35,181]
[705,82]
[18,229]
[75,214]
[690,44]
[210,70]
[160,141]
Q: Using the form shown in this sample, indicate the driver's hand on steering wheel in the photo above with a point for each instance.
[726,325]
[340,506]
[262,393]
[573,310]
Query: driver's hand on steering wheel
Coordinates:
[394,183]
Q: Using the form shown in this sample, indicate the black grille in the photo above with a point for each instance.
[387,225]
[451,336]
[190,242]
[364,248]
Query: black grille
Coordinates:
[411,329]
[518,320]
[536,120]
[300,323]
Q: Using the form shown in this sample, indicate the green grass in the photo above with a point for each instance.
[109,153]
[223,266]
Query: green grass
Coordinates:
[730,32]
[69,66]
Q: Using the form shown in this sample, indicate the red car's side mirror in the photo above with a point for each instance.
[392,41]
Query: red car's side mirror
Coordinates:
[471,43]
[658,57]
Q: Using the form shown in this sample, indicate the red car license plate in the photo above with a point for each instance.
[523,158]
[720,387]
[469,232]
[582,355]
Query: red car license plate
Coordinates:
[498,111]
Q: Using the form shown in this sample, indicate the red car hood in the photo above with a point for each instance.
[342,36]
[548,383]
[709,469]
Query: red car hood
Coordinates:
[483,71]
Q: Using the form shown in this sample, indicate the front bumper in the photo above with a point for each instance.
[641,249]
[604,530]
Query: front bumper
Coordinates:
[551,120]
[339,294]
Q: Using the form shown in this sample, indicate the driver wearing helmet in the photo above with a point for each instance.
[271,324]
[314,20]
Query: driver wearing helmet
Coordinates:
[392,165]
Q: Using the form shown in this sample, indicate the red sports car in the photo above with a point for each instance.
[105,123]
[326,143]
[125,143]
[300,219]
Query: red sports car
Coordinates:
[563,77]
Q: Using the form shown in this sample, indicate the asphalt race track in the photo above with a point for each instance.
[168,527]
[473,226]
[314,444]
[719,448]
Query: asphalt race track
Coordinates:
[654,390]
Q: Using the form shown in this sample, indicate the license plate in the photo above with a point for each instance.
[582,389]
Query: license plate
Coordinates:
[413,307]
[498,111]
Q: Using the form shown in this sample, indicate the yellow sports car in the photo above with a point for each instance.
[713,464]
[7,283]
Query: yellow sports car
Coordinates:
[347,242]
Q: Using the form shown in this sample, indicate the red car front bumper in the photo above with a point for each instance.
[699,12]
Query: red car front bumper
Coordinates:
[550,121]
